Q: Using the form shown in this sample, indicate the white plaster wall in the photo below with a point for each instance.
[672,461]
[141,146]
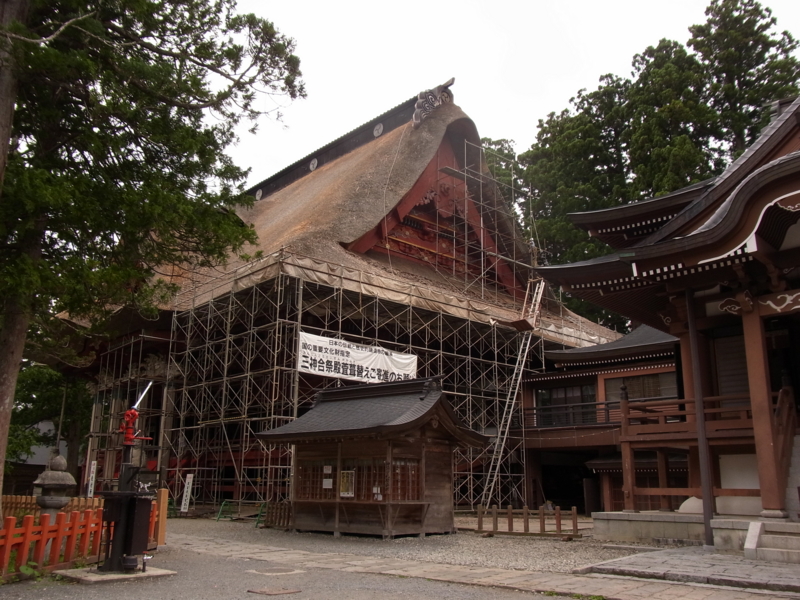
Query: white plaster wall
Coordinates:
[739,471]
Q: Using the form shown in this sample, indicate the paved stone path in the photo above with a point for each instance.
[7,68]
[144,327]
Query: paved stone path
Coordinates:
[609,587]
[695,565]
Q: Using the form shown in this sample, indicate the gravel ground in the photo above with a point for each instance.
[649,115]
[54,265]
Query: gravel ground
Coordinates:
[506,552]
[206,577]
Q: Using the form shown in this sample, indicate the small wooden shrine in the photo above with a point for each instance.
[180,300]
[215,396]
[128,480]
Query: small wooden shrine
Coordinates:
[376,459]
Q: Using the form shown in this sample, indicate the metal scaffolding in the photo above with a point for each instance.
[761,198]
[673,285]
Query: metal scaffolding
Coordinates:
[234,368]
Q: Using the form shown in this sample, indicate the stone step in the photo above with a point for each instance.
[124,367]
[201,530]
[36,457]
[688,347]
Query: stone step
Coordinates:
[781,528]
[778,555]
[779,542]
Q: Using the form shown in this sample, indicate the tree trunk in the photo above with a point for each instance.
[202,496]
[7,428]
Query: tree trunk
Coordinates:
[13,332]
[10,11]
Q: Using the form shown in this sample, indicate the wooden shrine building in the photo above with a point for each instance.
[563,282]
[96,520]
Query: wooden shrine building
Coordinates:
[376,459]
[717,265]
[572,421]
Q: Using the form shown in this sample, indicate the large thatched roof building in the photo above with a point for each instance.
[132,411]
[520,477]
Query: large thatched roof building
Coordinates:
[391,240]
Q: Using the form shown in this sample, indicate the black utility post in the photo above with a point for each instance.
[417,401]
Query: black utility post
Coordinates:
[127,509]
[700,419]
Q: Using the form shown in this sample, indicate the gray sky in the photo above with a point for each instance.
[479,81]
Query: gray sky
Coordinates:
[514,62]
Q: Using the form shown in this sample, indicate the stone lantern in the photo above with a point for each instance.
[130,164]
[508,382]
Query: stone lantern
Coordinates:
[55,483]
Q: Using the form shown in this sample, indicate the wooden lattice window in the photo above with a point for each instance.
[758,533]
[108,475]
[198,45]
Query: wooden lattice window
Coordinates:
[316,480]
[369,476]
[405,479]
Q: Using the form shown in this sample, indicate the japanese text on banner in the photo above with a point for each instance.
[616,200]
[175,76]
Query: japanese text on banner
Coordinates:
[345,360]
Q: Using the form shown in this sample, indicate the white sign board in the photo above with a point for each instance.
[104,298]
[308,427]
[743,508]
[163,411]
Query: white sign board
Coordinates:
[92,479]
[345,360]
[187,493]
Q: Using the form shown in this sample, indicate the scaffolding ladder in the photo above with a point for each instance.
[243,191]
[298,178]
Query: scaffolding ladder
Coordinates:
[531,310]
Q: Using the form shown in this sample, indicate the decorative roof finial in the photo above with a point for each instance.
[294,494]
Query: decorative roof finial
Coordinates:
[430,99]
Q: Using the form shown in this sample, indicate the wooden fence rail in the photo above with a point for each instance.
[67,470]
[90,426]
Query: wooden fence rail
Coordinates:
[19,506]
[73,537]
[526,514]
[274,514]
[49,546]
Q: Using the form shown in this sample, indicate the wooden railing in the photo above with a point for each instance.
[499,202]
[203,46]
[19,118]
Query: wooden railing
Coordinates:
[694,491]
[571,415]
[583,414]
[540,515]
[31,548]
[46,546]
[675,419]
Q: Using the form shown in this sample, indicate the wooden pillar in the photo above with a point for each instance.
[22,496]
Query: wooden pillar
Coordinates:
[628,478]
[336,483]
[162,498]
[533,478]
[608,496]
[387,497]
[628,467]
[773,500]
[663,479]
[687,374]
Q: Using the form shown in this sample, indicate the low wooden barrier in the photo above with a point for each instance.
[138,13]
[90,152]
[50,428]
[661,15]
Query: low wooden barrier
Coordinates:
[46,546]
[275,514]
[526,514]
[73,537]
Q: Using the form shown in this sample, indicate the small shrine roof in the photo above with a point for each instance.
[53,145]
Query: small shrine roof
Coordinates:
[375,410]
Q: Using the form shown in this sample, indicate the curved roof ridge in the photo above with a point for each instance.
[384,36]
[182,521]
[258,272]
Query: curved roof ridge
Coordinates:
[643,338]
[645,205]
[765,143]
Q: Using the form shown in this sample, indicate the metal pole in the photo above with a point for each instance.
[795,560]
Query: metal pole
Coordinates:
[700,418]
[60,421]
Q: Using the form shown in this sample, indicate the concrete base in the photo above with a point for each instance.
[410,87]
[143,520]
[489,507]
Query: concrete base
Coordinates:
[730,534]
[765,540]
[92,575]
[649,527]
[780,515]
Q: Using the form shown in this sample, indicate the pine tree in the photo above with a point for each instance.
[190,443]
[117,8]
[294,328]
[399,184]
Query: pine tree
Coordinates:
[746,65]
[114,120]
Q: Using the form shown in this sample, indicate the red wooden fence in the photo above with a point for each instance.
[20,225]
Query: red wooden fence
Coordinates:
[71,538]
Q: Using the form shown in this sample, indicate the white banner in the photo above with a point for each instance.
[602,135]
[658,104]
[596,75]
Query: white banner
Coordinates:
[345,360]
[92,479]
[187,493]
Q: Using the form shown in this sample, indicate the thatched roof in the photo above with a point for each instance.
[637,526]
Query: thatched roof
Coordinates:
[311,214]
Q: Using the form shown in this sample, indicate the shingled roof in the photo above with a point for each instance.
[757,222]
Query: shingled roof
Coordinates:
[375,410]
[643,340]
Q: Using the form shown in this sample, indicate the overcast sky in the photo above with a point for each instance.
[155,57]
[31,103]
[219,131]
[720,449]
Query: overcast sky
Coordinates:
[514,62]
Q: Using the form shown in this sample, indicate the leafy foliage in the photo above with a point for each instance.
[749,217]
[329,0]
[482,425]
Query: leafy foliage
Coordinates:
[746,65]
[21,441]
[675,122]
[40,393]
[116,177]
[116,170]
